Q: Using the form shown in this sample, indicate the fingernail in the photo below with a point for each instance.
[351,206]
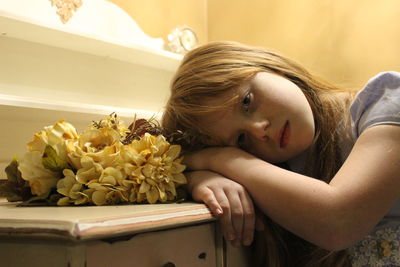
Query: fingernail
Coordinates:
[236,243]
[230,237]
[247,242]
[219,211]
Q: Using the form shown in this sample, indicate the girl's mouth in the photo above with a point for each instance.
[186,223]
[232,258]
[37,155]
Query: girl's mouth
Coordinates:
[284,135]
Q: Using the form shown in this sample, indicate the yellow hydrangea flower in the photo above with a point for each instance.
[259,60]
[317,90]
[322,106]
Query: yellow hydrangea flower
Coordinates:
[41,180]
[107,194]
[72,190]
[89,171]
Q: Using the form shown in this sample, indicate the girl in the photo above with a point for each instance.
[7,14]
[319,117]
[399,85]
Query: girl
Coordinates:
[320,162]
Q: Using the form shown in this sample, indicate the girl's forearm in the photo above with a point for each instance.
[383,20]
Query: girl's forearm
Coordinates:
[305,206]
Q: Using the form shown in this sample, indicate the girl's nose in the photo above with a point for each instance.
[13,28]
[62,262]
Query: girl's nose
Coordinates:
[258,129]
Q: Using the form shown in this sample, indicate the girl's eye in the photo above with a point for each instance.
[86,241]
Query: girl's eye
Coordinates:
[241,140]
[246,101]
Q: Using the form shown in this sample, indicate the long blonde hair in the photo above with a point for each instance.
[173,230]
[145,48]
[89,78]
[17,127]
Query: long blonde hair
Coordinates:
[217,67]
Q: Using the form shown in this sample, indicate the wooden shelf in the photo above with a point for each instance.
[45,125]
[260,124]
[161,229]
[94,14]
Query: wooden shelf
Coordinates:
[98,63]
[102,46]
[17,107]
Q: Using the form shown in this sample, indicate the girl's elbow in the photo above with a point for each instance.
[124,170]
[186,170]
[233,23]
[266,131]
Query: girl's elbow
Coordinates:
[341,229]
[339,240]
[335,243]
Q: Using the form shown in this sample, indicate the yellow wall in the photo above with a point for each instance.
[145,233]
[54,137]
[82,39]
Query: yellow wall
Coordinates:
[158,18]
[344,41]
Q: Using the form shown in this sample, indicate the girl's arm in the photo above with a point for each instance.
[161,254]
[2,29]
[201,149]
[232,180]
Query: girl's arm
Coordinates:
[333,215]
[227,200]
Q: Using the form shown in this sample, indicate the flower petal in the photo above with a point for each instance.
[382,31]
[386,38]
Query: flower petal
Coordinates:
[152,195]
[179,178]
[144,187]
[173,152]
[99,198]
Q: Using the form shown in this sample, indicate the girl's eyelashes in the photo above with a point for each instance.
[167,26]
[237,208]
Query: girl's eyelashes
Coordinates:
[241,139]
[246,101]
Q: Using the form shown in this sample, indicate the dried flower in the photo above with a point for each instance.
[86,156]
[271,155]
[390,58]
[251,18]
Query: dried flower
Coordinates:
[54,136]
[107,163]
[154,164]
[102,145]
[40,178]
[72,190]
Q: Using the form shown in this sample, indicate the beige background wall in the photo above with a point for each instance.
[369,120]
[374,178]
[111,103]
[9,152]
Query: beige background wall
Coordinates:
[344,41]
[158,18]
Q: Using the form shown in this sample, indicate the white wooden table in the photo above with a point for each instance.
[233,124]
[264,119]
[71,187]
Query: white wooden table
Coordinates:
[182,235]
[130,235]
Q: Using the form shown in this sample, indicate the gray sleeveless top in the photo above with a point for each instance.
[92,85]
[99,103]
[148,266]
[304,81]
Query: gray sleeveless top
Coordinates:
[378,103]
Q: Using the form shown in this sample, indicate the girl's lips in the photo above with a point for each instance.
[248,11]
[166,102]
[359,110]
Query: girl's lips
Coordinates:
[284,135]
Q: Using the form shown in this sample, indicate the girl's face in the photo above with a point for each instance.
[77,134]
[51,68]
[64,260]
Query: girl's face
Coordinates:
[272,119]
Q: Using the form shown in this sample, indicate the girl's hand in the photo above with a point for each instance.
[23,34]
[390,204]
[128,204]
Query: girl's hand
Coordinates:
[227,200]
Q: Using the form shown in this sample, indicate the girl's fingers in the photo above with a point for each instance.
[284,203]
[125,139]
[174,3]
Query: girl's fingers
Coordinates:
[227,200]
[208,197]
[236,209]
[249,219]
[225,219]
[218,203]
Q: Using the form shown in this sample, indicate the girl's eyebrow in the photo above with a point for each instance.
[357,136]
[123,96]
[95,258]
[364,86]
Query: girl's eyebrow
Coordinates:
[244,89]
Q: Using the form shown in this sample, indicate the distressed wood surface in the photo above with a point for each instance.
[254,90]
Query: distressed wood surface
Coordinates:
[92,222]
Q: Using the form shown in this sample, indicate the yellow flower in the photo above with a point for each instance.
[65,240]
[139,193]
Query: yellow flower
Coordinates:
[89,171]
[72,190]
[106,185]
[154,164]
[112,176]
[387,252]
[98,167]
[385,244]
[102,145]
[112,122]
[55,136]
[40,179]
[62,130]
[104,194]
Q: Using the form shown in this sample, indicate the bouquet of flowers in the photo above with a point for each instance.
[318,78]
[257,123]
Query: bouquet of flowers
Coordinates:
[108,163]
